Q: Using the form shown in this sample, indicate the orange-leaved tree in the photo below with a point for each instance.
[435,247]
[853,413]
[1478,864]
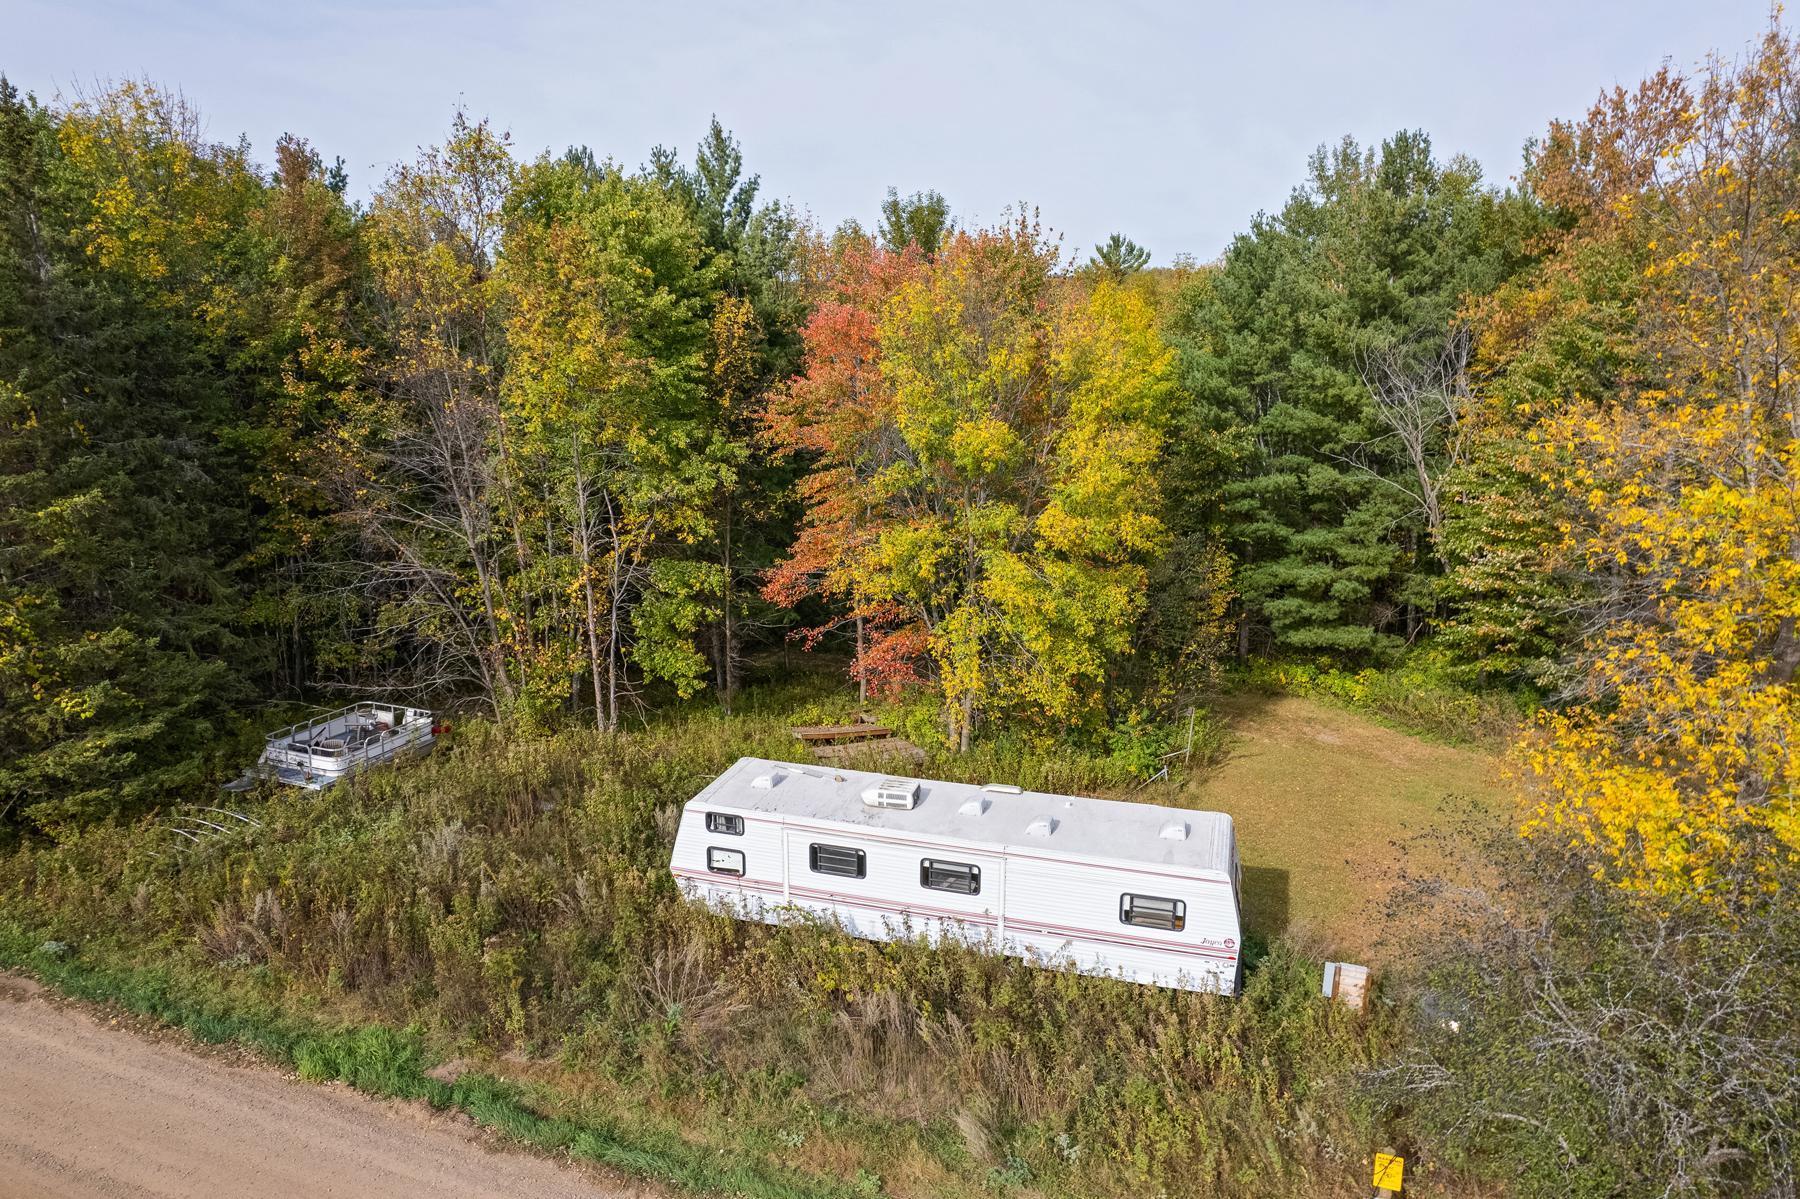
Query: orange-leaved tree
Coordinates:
[985,494]
[834,414]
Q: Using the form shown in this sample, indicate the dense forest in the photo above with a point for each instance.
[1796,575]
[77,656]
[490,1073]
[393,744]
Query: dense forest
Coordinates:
[561,440]
[568,447]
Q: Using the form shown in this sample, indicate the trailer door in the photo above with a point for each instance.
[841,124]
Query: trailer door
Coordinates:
[955,892]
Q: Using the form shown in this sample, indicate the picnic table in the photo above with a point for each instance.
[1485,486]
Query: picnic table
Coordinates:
[895,749]
[856,740]
[830,734]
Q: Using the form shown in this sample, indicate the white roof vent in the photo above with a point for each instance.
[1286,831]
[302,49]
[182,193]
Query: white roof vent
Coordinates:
[892,793]
[763,782]
[1175,830]
[1004,789]
[1043,826]
[973,807]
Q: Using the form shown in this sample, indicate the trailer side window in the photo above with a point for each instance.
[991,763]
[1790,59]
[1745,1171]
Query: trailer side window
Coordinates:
[838,859]
[949,876]
[725,861]
[1148,911]
[725,822]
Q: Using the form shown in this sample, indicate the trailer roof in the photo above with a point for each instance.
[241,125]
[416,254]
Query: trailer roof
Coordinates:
[1076,826]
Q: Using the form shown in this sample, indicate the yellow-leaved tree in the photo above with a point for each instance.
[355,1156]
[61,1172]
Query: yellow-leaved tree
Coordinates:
[1678,493]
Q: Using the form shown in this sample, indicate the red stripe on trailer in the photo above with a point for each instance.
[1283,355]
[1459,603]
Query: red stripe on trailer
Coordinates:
[719,879]
[1108,865]
[1126,939]
[1026,927]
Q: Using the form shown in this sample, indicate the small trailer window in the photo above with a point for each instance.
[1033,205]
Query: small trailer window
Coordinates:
[725,861]
[949,876]
[725,822]
[1148,911]
[838,859]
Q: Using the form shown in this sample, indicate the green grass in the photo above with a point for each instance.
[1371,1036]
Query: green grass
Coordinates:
[1417,696]
[1319,794]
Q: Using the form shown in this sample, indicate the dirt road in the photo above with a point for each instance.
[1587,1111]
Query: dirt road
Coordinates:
[88,1110]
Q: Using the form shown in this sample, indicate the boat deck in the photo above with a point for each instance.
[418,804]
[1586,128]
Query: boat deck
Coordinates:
[319,752]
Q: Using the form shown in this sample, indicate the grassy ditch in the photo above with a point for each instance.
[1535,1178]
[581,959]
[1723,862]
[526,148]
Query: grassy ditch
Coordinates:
[395,1064]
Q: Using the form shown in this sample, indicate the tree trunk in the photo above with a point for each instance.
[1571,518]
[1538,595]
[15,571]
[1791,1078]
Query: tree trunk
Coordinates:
[584,548]
[728,638]
[862,676]
[493,624]
[612,620]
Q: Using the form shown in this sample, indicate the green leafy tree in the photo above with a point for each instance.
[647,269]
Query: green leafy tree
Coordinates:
[607,337]
[1560,331]
[424,471]
[922,220]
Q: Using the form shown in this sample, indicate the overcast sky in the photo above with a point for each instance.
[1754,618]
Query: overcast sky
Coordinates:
[1171,122]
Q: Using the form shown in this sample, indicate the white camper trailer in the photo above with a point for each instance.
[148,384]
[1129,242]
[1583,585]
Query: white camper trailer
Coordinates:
[1137,891]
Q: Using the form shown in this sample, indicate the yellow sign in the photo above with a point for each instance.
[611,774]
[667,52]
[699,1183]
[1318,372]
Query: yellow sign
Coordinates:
[1389,1171]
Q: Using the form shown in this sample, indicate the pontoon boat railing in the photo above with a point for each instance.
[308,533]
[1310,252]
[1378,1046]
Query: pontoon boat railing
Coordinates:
[306,727]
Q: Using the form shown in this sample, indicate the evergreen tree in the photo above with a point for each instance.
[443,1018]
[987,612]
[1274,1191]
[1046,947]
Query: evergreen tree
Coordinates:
[120,506]
[755,316]
[1374,254]
[1119,256]
[294,320]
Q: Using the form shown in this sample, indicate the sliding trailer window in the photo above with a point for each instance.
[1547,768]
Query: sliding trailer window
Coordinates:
[959,877]
[838,859]
[1150,911]
[725,822]
[725,861]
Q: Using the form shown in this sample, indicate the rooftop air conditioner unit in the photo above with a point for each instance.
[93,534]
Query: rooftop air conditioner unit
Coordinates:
[892,793]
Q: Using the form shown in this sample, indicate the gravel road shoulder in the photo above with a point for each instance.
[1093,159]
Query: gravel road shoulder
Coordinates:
[90,1109]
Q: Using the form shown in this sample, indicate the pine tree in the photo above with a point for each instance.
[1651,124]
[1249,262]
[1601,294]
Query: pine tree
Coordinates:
[120,508]
[755,316]
[1119,256]
[1374,254]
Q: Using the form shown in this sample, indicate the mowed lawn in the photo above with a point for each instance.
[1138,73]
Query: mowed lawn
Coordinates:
[1319,794]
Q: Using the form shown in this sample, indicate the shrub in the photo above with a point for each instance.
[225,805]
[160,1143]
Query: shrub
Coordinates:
[1418,696]
[1576,1040]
